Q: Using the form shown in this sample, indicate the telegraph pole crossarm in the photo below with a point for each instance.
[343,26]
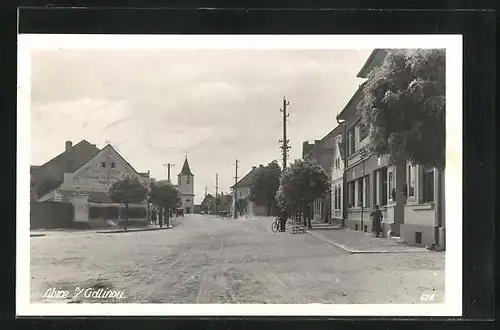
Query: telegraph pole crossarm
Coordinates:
[168,166]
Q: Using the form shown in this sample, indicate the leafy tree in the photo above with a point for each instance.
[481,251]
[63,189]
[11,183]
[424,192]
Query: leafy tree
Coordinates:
[126,191]
[223,202]
[300,185]
[265,184]
[404,106]
[208,201]
[165,195]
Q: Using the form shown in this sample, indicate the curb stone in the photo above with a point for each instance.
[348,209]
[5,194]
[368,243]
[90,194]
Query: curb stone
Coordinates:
[37,235]
[132,230]
[351,251]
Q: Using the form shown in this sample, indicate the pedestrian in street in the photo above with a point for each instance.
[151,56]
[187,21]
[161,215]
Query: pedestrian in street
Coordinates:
[377,217]
[161,217]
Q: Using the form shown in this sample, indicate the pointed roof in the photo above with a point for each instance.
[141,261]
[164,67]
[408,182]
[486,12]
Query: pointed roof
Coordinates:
[185,168]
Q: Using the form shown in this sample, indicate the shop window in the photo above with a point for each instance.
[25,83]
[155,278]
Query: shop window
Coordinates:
[359,182]
[383,186]
[351,194]
[411,181]
[366,189]
[428,185]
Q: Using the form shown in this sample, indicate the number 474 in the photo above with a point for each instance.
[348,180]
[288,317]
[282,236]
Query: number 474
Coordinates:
[428,296]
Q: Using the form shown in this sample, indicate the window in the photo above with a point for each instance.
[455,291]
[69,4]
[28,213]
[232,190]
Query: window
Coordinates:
[360,192]
[411,181]
[366,195]
[187,180]
[103,164]
[363,131]
[113,164]
[428,185]
[350,142]
[391,186]
[383,186]
[339,197]
[350,189]
[380,187]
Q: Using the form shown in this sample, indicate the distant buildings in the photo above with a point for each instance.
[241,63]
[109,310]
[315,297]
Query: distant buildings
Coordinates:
[243,203]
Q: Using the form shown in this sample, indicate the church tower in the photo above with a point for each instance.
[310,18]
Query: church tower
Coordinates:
[185,184]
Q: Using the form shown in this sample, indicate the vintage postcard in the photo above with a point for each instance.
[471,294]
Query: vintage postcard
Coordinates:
[239,175]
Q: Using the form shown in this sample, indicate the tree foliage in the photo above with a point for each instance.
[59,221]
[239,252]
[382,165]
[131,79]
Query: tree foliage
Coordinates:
[128,190]
[164,194]
[224,202]
[300,184]
[265,184]
[404,106]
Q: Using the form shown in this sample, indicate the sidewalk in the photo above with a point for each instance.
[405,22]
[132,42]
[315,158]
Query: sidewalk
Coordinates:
[359,242]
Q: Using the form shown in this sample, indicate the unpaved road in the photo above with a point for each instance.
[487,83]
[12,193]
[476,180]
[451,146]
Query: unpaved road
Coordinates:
[205,259]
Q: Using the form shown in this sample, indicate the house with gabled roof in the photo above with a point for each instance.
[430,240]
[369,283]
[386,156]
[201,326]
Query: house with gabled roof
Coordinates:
[242,189]
[82,169]
[328,153]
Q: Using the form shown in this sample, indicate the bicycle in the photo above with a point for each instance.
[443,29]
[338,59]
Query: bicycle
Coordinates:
[276,225]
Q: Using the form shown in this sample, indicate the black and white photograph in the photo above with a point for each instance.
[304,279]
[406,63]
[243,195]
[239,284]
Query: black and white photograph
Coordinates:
[239,175]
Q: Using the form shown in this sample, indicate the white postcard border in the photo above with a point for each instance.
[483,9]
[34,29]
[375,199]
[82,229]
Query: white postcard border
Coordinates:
[453,183]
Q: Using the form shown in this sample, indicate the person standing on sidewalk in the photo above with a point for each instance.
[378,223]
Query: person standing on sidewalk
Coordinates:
[377,217]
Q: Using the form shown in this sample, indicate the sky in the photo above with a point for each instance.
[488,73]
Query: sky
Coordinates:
[216,105]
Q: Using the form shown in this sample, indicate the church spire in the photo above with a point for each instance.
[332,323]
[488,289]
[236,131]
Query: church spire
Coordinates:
[185,168]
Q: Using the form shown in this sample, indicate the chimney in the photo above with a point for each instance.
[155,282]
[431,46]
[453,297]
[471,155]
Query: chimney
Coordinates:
[254,167]
[261,165]
[316,141]
[69,145]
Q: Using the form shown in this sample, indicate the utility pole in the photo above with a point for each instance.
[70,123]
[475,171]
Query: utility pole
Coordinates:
[168,165]
[205,191]
[216,191]
[235,182]
[284,146]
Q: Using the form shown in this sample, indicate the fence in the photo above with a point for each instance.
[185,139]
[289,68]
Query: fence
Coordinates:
[51,215]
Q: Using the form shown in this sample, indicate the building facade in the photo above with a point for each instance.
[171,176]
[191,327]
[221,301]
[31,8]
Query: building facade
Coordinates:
[374,181]
[337,178]
[242,191]
[326,153]
[94,177]
[185,185]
